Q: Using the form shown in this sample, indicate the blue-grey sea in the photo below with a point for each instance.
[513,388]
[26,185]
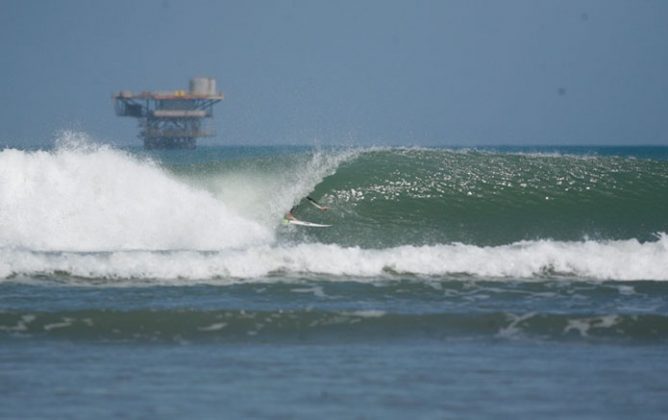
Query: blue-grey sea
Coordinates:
[507,282]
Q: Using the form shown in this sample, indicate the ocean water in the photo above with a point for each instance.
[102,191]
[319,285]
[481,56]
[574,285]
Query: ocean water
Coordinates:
[510,282]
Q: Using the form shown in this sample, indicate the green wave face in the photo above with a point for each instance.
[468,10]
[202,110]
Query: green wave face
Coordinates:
[393,197]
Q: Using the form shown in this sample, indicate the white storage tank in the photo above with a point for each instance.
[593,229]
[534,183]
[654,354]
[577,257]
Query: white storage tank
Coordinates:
[203,86]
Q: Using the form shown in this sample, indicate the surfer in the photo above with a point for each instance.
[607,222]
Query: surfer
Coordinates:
[290,214]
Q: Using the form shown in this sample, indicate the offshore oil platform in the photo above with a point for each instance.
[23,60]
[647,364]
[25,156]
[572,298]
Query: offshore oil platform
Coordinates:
[172,119]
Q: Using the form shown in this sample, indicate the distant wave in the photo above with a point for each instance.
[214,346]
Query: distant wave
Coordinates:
[342,326]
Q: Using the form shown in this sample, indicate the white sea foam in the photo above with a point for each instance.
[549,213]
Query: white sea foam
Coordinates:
[609,260]
[584,325]
[87,198]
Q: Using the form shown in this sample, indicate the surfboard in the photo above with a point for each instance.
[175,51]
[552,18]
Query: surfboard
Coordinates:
[304,223]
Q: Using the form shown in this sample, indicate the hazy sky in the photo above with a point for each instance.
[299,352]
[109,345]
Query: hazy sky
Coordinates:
[352,72]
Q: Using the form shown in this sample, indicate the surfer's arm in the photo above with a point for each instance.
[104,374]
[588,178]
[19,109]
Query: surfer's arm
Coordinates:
[317,205]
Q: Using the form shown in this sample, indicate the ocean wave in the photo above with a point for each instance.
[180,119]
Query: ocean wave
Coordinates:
[597,260]
[82,196]
[423,196]
[290,325]
[98,198]
[96,212]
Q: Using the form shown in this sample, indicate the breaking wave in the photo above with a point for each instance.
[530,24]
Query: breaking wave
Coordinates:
[96,212]
[618,260]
